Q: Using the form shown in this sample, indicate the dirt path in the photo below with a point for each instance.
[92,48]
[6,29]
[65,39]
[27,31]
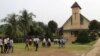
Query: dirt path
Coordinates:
[45,52]
[96,49]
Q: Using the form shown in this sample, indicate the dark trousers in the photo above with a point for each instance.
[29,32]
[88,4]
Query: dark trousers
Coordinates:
[1,46]
[11,48]
[5,48]
[36,47]
[8,47]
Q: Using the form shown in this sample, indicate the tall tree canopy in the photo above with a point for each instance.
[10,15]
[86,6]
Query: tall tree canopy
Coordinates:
[53,26]
[11,27]
[21,25]
[25,21]
[94,27]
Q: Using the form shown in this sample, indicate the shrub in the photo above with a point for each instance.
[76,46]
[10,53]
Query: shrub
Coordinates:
[82,37]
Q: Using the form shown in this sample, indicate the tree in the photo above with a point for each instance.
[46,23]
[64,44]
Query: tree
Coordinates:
[37,29]
[83,37]
[94,28]
[52,26]
[48,33]
[93,25]
[11,26]
[25,21]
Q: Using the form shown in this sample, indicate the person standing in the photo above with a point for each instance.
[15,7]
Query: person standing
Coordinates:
[8,44]
[5,45]
[11,44]
[26,42]
[37,44]
[1,44]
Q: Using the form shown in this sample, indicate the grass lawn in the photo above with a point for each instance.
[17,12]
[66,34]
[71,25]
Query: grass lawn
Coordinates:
[54,50]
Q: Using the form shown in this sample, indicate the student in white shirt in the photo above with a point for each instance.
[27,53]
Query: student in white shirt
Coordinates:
[49,42]
[37,43]
[8,44]
[44,42]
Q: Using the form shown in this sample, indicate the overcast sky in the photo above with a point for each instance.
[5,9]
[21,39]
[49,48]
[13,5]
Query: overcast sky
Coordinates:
[46,10]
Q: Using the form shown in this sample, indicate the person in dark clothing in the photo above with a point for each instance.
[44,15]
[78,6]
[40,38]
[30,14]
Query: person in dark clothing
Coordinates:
[36,44]
[59,43]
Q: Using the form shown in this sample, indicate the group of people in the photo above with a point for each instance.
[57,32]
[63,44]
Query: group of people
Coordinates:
[34,42]
[46,42]
[6,44]
[61,42]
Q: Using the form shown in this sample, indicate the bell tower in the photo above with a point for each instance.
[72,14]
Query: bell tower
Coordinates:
[76,15]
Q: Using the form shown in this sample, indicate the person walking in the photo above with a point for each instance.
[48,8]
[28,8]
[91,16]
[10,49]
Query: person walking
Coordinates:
[44,42]
[1,44]
[26,42]
[49,42]
[37,44]
[34,41]
[30,43]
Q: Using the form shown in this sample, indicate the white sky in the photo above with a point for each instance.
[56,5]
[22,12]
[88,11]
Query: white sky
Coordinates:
[46,10]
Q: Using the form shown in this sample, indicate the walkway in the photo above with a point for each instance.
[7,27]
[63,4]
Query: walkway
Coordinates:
[96,49]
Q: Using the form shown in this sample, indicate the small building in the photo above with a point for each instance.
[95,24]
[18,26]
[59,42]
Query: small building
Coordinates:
[75,23]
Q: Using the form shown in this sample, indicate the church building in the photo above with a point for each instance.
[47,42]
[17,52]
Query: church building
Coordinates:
[75,23]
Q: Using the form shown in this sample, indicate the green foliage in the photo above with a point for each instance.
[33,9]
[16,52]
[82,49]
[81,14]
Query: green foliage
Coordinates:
[94,27]
[25,21]
[83,37]
[48,33]
[53,26]
[18,26]
[92,37]
[11,26]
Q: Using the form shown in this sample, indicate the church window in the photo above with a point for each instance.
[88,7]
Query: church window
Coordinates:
[81,20]
[71,20]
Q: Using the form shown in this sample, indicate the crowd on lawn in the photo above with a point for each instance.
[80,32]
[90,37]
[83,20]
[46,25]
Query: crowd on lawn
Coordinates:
[34,42]
[6,44]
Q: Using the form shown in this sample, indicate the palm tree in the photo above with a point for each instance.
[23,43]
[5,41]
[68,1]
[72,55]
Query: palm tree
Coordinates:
[11,25]
[25,21]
